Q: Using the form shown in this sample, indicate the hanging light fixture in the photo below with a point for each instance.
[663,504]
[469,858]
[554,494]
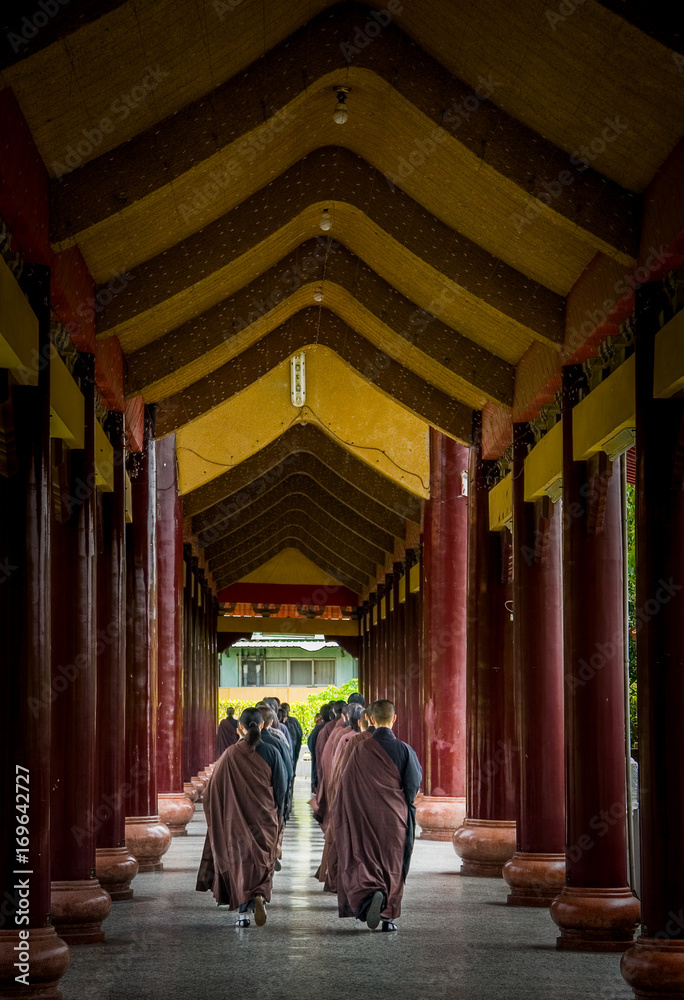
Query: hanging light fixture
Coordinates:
[325,222]
[318,294]
[341,113]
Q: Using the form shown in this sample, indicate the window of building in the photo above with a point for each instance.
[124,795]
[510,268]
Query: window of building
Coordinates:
[276,673]
[301,672]
[324,672]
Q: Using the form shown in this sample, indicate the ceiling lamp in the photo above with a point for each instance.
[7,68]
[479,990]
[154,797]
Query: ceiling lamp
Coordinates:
[341,114]
[318,295]
[326,221]
[298,379]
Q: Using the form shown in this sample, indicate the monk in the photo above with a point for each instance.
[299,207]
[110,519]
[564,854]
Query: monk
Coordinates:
[375,819]
[243,803]
[326,715]
[325,748]
[273,737]
[327,872]
[295,730]
[227,733]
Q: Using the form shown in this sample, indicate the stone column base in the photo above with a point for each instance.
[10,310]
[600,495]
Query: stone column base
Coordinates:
[654,967]
[176,810]
[535,879]
[116,868]
[199,784]
[49,959]
[190,791]
[485,845]
[78,909]
[439,816]
[148,839]
[595,919]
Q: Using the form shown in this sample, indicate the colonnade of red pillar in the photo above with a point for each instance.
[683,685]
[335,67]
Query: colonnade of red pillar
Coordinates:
[95,724]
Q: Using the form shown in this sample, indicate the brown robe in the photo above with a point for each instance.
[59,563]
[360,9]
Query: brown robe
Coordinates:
[370,815]
[327,872]
[319,803]
[226,736]
[243,828]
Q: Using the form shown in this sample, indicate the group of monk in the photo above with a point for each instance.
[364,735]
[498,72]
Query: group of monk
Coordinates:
[364,782]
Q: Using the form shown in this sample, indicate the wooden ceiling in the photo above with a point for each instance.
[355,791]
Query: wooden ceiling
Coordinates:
[193,150]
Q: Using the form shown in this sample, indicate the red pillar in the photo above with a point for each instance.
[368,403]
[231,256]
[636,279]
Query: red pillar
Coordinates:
[487,838]
[412,645]
[115,865]
[399,680]
[536,873]
[367,664]
[146,836]
[25,677]
[191,788]
[442,809]
[654,965]
[174,806]
[79,903]
[596,911]
[374,619]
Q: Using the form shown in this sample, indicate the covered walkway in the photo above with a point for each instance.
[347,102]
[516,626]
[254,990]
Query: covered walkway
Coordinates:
[457,938]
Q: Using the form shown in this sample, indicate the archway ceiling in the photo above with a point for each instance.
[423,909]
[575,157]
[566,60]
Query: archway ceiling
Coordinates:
[346,405]
[302,447]
[210,190]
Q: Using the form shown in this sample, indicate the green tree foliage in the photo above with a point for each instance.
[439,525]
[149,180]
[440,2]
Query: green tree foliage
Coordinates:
[303,711]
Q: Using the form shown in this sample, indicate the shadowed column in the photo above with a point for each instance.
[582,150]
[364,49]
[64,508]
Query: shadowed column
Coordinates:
[536,873]
[596,910]
[115,865]
[147,837]
[175,808]
[25,676]
[487,838]
[442,810]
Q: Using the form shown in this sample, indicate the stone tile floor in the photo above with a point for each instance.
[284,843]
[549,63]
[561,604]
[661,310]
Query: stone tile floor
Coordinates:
[457,939]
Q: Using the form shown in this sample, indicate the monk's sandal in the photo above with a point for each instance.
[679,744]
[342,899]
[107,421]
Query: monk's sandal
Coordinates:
[259,911]
[242,922]
[374,910]
[388,925]
[277,865]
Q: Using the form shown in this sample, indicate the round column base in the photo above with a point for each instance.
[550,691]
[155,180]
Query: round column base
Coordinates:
[484,846]
[595,919]
[48,960]
[78,908]
[439,816]
[654,968]
[190,791]
[176,810]
[116,868]
[535,878]
[199,785]
[148,840]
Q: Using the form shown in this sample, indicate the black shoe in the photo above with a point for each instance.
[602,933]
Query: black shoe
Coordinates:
[374,910]
[388,925]
[278,865]
[242,922]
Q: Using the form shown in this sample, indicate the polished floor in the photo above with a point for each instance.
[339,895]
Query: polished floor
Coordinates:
[457,939]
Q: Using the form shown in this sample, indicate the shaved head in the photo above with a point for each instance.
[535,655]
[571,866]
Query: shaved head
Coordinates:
[383,711]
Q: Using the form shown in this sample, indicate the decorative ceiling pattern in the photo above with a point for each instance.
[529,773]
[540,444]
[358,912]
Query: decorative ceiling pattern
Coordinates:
[416,253]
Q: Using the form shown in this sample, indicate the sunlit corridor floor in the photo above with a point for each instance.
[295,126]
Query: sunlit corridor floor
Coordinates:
[457,939]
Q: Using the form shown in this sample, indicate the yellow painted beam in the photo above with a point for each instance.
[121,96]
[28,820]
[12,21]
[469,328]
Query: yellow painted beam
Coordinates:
[501,504]
[375,614]
[18,329]
[402,590]
[104,460]
[668,374]
[600,418]
[414,579]
[544,465]
[291,626]
[383,608]
[67,406]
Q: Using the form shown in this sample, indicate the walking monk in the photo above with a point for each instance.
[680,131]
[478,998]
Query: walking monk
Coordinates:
[243,803]
[375,821]
[227,733]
